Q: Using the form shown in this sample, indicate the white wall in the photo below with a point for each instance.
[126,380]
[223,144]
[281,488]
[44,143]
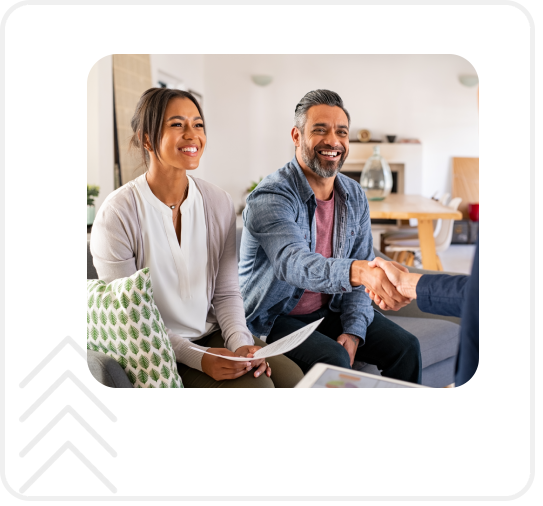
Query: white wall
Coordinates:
[406,95]
[100,154]
[185,68]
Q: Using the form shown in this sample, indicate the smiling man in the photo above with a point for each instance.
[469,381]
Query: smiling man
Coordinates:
[305,250]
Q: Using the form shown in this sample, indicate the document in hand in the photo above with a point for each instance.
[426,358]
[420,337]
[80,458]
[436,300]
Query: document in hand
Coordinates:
[285,344]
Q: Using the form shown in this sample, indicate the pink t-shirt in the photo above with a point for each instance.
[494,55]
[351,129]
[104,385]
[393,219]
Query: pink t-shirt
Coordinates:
[324,214]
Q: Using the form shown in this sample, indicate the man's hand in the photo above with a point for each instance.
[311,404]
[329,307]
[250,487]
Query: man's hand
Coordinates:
[350,343]
[222,369]
[375,280]
[399,276]
[249,351]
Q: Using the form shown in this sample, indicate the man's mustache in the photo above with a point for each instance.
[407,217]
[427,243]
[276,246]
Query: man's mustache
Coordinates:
[327,147]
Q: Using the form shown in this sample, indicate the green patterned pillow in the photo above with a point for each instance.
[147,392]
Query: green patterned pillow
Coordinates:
[124,323]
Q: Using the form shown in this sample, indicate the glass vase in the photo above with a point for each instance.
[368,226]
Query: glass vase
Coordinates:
[376,178]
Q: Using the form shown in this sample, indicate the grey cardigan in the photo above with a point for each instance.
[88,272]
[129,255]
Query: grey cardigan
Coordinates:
[117,251]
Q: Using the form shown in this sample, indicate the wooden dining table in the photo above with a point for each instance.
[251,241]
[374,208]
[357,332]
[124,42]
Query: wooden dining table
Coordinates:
[403,207]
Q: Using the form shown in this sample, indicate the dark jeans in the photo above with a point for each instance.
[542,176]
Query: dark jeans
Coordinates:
[392,349]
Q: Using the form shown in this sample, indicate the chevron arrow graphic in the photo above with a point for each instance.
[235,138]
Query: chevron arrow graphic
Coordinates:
[65,447]
[68,410]
[65,376]
[67,341]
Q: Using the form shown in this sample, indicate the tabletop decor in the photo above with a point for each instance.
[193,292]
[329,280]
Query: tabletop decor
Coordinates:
[363,135]
[376,178]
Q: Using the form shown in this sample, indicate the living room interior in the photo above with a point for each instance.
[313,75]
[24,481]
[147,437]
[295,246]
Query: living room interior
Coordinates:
[426,104]
[417,112]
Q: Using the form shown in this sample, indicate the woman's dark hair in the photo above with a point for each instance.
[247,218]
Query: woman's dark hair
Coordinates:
[147,120]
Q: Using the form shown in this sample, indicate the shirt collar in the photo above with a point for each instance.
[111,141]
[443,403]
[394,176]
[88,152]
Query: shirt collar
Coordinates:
[149,196]
[189,201]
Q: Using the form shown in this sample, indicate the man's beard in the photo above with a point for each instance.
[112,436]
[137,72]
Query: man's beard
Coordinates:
[322,168]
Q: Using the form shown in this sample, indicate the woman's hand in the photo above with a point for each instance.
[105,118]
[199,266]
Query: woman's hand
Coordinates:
[222,369]
[249,351]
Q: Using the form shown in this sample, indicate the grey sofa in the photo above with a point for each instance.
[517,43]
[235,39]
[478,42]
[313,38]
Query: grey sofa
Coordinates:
[438,337]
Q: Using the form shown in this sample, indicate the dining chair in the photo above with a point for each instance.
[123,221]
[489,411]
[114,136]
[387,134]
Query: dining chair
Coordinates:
[403,250]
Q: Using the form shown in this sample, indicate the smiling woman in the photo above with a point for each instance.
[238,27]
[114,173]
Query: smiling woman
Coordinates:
[183,229]
[170,143]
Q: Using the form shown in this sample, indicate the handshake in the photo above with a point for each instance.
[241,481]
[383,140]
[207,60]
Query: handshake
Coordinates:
[389,284]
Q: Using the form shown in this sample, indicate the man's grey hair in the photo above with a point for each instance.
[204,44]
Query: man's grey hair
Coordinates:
[316,97]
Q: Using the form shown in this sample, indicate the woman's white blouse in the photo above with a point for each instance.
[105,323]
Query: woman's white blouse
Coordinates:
[178,271]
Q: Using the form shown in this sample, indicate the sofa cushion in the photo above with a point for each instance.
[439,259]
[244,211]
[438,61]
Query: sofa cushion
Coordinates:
[124,323]
[438,338]
[438,347]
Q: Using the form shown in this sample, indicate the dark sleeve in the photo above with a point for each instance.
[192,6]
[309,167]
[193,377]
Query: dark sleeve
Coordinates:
[468,353]
[441,294]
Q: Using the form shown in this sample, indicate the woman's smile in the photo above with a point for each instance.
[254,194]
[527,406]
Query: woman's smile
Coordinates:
[190,150]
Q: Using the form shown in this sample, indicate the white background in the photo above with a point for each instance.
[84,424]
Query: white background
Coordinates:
[470,441]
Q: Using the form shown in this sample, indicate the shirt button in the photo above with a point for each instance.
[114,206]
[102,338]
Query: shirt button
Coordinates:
[343,289]
[352,232]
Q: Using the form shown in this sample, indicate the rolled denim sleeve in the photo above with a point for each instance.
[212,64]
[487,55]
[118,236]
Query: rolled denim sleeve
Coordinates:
[356,309]
[270,217]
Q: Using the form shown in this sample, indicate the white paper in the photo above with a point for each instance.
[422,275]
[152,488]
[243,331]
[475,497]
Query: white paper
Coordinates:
[280,347]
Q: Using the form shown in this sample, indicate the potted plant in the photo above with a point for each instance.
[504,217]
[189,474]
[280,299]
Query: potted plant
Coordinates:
[92,192]
[248,191]
[254,184]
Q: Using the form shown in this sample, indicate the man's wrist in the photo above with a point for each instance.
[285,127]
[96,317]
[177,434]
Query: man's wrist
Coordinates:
[355,339]
[408,284]
[356,274]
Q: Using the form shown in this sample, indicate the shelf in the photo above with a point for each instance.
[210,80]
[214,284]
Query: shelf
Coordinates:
[386,143]
[356,161]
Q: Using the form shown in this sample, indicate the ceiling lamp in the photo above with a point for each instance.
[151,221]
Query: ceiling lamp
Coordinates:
[469,81]
[262,80]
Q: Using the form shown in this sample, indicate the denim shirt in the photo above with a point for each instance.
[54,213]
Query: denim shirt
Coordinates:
[278,259]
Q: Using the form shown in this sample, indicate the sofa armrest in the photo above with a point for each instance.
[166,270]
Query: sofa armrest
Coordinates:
[107,370]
